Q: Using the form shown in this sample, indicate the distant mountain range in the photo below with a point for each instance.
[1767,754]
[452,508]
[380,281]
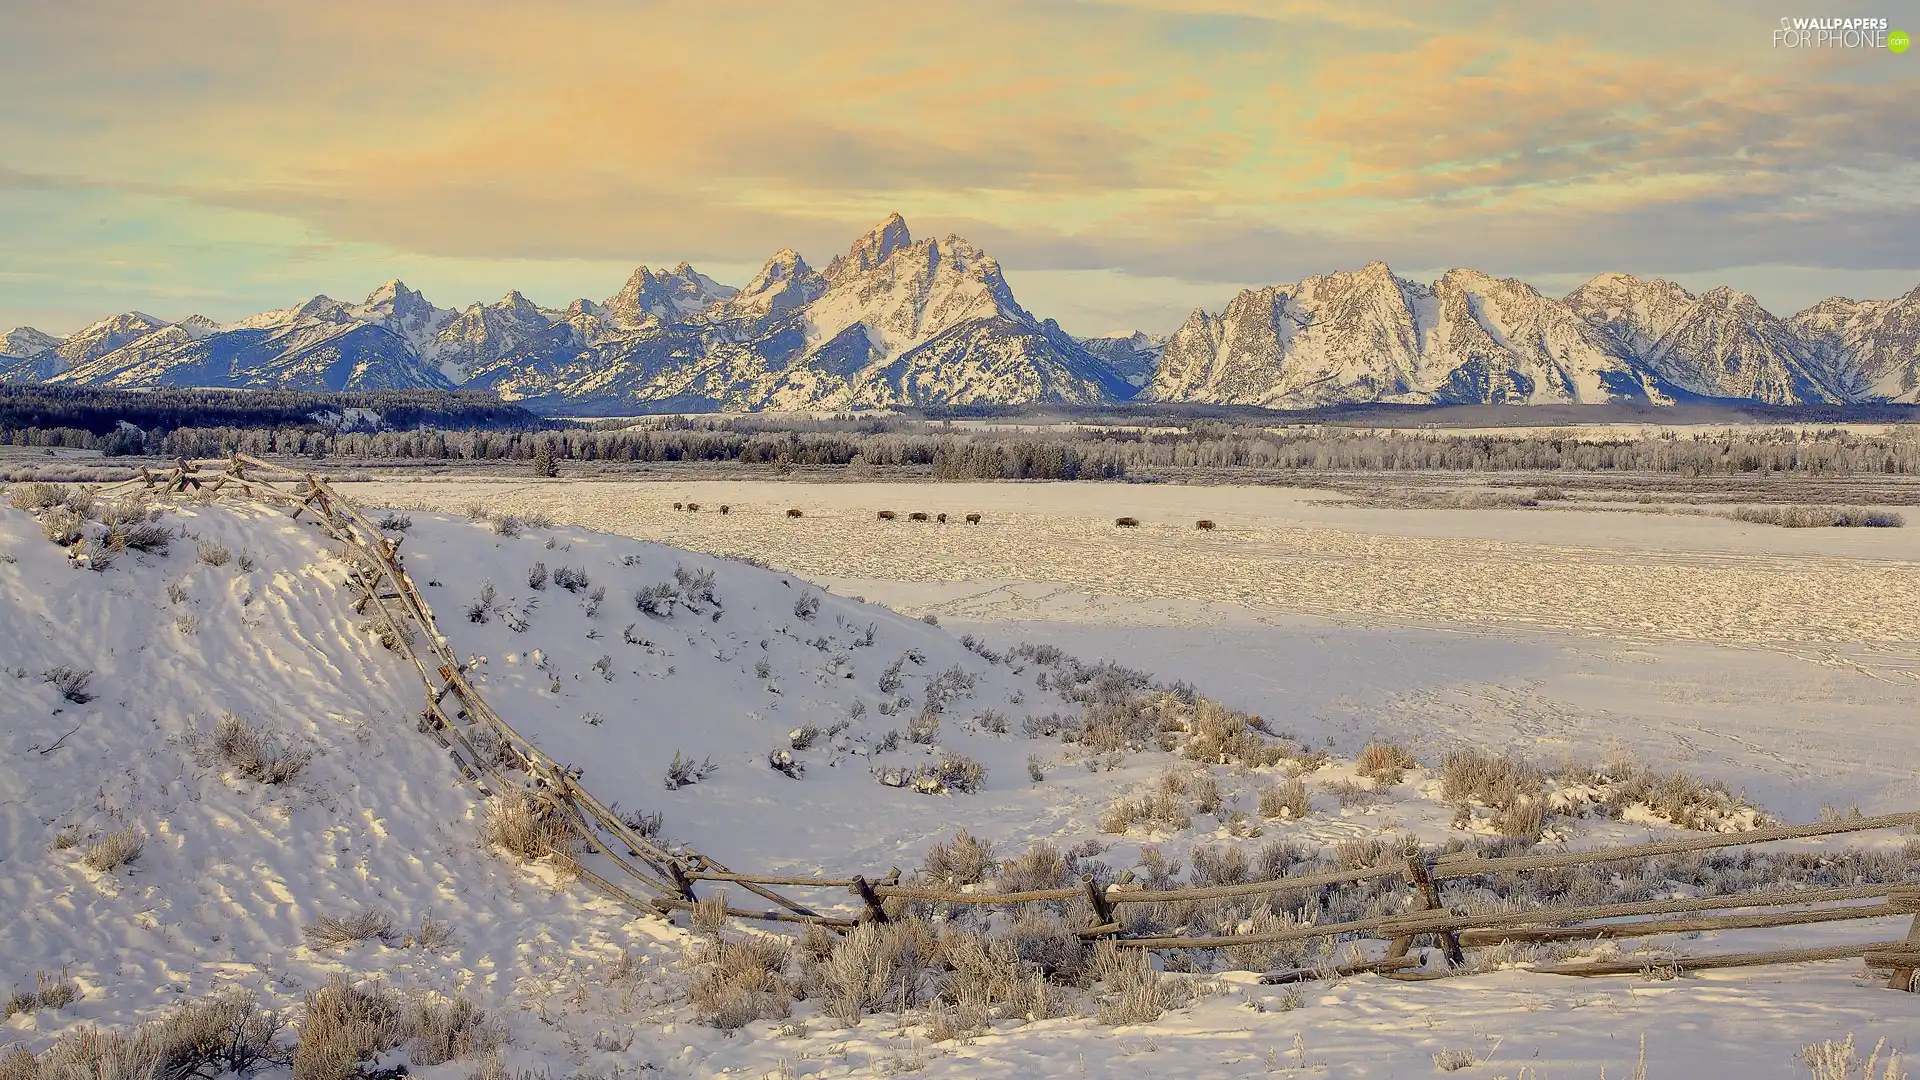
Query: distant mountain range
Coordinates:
[902,322]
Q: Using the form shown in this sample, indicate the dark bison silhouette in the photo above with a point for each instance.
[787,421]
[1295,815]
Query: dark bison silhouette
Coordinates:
[1127,522]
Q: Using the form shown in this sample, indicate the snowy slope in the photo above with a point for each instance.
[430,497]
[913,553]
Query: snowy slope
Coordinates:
[233,870]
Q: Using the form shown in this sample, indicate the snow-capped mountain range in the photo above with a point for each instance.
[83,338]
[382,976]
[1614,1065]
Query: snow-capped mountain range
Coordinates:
[902,322]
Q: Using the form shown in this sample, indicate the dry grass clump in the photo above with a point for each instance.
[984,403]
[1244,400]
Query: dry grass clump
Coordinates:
[35,497]
[144,536]
[1467,774]
[253,754]
[1818,517]
[345,1025]
[1220,736]
[215,554]
[1833,1059]
[442,1029]
[1164,807]
[115,849]
[738,982]
[339,931]
[1286,799]
[225,1034]
[527,828]
[52,991]
[1385,763]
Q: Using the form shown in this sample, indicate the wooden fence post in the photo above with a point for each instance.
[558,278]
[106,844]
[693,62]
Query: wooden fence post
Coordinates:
[863,888]
[1423,887]
[1906,900]
[1103,918]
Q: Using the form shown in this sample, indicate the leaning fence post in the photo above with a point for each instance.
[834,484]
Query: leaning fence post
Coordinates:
[1423,887]
[1906,900]
[1097,897]
[876,912]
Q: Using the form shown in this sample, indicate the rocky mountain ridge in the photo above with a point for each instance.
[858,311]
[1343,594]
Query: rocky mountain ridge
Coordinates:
[899,322]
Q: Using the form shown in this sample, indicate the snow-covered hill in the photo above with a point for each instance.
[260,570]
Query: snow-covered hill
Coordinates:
[151,695]
[897,321]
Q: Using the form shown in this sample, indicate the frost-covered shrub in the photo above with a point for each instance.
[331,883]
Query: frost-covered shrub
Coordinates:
[781,760]
[657,600]
[807,606]
[394,522]
[62,526]
[924,728]
[215,554]
[684,772]
[963,860]
[254,755]
[505,524]
[483,606]
[225,1034]
[537,576]
[570,578]
[71,683]
[697,585]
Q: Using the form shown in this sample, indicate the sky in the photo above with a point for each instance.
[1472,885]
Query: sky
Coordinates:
[1125,160]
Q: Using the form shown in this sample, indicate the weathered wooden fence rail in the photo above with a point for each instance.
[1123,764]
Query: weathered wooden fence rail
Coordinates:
[651,878]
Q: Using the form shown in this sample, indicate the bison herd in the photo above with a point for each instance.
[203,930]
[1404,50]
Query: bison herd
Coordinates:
[1204,525]
[885,515]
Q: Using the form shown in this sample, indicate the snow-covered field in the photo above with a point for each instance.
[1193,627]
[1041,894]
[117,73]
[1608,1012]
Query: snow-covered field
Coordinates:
[233,870]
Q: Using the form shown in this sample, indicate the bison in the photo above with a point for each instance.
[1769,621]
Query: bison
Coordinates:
[941,518]
[1127,522]
[973,519]
[917,516]
[679,506]
[693,507]
[795,513]
[724,508]
[887,515]
[1203,525]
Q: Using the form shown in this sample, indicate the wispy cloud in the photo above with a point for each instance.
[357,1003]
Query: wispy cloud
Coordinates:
[1206,140]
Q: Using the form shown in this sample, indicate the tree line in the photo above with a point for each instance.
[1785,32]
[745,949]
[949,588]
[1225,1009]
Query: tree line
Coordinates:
[953,452]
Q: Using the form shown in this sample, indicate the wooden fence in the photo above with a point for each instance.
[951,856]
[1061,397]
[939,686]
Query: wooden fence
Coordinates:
[653,879]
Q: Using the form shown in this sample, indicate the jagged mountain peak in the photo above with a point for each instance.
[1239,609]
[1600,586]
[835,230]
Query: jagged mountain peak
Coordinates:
[27,341]
[876,247]
[665,296]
